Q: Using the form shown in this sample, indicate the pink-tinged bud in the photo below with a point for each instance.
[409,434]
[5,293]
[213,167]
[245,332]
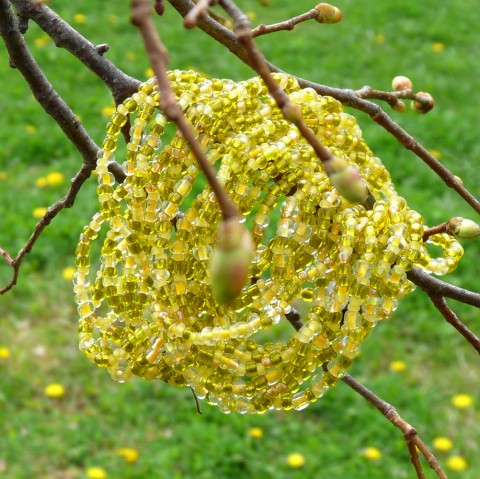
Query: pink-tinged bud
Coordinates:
[425,105]
[347,180]
[401,83]
[230,260]
[328,13]
[462,228]
[399,106]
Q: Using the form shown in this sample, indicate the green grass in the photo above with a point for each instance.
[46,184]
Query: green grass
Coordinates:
[61,438]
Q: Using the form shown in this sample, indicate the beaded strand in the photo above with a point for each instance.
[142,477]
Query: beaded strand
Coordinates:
[148,310]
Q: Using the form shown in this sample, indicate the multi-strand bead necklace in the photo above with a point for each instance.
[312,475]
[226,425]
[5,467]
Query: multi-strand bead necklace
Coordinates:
[149,311]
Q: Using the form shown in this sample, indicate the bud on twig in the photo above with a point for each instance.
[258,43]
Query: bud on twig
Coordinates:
[230,260]
[400,83]
[399,106]
[328,13]
[347,180]
[425,105]
[462,228]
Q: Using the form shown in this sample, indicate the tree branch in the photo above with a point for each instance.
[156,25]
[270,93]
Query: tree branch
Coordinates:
[120,84]
[347,97]
[289,24]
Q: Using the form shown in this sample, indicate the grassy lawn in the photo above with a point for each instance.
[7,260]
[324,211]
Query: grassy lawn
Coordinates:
[438,47]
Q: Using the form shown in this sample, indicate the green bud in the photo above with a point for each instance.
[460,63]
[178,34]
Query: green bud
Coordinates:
[462,228]
[328,13]
[230,260]
[347,180]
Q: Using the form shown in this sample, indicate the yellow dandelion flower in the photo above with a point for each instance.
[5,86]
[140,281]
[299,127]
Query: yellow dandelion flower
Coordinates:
[457,463]
[41,41]
[108,110]
[251,15]
[128,453]
[255,432]
[379,38]
[3,175]
[398,366]
[39,212]
[55,178]
[462,401]
[372,453]
[130,56]
[54,390]
[112,18]
[296,460]
[4,352]
[68,273]
[438,47]
[435,153]
[149,72]
[79,18]
[96,473]
[41,182]
[30,129]
[442,444]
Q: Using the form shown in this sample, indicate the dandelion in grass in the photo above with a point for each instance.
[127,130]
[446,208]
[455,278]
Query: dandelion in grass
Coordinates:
[96,473]
[39,212]
[4,352]
[435,153]
[41,182]
[3,175]
[128,453]
[55,178]
[149,72]
[462,401]
[130,56]
[296,460]
[68,273]
[372,453]
[457,463]
[41,41]
[255,432]
[379,38]
[251,15]
[398,366]
[30,129]
[54,390]
[438,47]
[443,444]
[79,18]
[112,18]
[108,110]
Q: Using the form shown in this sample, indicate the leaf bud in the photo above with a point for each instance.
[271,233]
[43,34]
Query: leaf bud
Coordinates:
[328,13]
[230,260]
[425,105]
[347,180]
[462,228]
[399,106]
[400,83]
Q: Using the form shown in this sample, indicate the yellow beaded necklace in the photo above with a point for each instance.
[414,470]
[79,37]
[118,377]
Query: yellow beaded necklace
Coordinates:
[149,311]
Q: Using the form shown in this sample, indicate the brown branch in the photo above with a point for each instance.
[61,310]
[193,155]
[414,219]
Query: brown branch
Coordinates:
[141,18]
[347,97]
[120,84]
[295,318]
[434,230]
[289,24]
[451,318]
[199,11]
[66,202]
[436,287]
[409,432]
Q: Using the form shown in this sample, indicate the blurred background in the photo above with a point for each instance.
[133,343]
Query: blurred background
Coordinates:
[61,417]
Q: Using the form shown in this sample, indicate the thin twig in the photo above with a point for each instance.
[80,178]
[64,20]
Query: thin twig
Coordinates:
[141,18]
[348,97]
[199,11]
[120,84]
[289,24]
[434,230]
[451,318]
[410,434]
[66,202]
[435,286]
